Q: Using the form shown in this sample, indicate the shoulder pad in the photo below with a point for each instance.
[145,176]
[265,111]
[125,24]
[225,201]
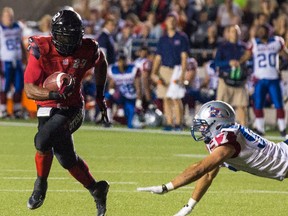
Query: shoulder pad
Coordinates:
[38,46]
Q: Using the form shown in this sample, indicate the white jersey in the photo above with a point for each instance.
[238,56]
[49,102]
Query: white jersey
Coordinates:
[212,73]
[143,64]
[266,57]
[192,65]
[10,42]
[254,154]
[124,81]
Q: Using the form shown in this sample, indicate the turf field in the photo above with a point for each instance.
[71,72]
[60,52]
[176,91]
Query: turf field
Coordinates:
[128,160]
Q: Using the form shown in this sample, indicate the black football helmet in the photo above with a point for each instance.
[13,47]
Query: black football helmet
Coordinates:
[67,31]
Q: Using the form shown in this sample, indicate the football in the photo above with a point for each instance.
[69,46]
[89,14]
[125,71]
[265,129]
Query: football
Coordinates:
[54,81]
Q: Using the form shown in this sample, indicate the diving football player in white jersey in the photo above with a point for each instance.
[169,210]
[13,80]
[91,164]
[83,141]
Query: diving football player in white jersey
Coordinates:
[231,145]
[11,54]
[265,52]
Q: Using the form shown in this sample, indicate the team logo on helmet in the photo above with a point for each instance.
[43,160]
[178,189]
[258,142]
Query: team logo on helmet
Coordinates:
[216,113]
[54,18]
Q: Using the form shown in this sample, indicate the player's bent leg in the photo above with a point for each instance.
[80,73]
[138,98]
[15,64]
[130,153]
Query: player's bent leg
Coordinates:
[98,190]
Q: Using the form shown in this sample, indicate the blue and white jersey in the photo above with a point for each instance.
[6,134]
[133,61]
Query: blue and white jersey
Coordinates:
[254,154]
[266,57]
[10,42]
[124,81]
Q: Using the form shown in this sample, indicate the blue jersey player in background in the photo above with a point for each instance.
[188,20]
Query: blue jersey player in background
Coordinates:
[265,50]
[11,55]
[124,88]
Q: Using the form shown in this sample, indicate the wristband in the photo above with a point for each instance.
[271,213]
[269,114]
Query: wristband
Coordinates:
[192,202]
[167,187]
[54,95]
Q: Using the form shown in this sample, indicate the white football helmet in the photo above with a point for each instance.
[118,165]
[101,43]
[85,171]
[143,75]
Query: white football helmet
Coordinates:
[211,118]
[153,117]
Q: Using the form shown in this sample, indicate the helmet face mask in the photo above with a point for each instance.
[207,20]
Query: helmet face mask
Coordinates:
[200,129]
[210,119]
[67,32]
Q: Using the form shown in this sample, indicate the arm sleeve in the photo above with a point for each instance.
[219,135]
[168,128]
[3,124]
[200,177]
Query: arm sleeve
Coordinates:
[100,74]
[33,72]
[224,138]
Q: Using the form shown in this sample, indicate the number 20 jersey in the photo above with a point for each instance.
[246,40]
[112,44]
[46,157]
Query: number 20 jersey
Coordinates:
[266,57]
[254,154]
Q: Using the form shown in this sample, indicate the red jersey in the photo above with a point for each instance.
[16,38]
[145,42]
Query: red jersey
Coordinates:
[44,60]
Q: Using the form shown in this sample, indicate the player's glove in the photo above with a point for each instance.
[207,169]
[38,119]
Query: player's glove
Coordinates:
[65,90]
[101,102]
[187,209]
[162,189]
[67,87]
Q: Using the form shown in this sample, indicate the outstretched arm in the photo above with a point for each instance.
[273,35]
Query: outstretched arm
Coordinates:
[205,170]
[197,170]
[200,189]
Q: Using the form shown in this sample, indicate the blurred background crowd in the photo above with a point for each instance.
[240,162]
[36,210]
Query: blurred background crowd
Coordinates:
[128,31]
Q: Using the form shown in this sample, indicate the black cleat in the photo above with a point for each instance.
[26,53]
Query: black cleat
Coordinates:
[100,196]
[36,200]
[283,134]
[38,196]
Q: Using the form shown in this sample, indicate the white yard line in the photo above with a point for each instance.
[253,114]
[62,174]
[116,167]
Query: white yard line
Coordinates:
[116,129]
[135,191]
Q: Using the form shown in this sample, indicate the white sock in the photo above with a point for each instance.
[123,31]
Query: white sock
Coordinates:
[260,124]
[281,124]
[17,106]
[109,114]
[3,107]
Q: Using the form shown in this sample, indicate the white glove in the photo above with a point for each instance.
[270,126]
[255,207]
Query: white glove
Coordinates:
[184,211]
[187,209]
[153,189]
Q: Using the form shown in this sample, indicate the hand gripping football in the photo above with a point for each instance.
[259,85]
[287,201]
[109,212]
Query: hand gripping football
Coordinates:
[55,81]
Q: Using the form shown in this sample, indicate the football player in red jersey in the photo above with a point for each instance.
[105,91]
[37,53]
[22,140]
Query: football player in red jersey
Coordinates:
[231,145]
[60,113]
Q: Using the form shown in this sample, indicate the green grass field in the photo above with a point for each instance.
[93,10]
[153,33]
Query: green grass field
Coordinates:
[128,160]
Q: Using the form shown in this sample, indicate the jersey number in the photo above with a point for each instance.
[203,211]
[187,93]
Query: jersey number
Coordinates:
[13,44]
[266,60]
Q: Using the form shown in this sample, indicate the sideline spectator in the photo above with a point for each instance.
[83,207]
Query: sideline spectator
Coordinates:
[44,25]
[106,41]
[228,14]
[231,89]
[168,71]
[159,7]
[155,28]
